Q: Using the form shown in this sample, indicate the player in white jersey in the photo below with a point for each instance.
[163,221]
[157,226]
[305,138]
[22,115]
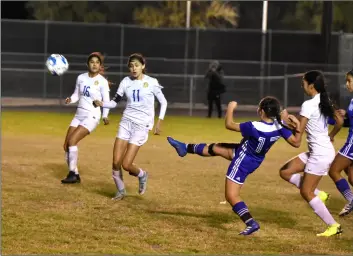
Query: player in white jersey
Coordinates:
[316,162]
[136,122]
[90,86]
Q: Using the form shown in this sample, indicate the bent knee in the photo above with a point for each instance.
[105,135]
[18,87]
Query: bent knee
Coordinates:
[307,194]
[232,199]
[335,173]
[285,174]
[127,165]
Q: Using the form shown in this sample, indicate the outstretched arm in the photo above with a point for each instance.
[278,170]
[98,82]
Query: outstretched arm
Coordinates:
[116,99]
[229,122]
[110,104]
[113,103]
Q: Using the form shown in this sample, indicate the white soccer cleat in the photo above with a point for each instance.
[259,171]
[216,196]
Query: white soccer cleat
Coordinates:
[119,195]
[348,208]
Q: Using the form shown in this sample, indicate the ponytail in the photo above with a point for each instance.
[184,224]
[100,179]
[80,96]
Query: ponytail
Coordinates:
[102,72]
[326,106]
[317,79]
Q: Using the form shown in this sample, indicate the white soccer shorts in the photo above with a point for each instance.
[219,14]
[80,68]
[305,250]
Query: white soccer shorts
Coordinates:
[134,133]
[89,122]
[317,164]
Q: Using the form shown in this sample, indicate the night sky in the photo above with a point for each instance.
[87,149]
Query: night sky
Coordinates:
[13,10]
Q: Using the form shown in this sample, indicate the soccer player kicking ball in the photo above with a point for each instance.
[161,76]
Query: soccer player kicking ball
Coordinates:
[246,157]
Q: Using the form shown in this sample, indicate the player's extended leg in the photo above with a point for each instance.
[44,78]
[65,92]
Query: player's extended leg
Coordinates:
[234,182]
[77,135]
[119,151]
[340,163]
[133,170]
[291,170]
[225,150]
[310,182]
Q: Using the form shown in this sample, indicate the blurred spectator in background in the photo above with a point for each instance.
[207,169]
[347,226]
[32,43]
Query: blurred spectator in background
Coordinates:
[216,87]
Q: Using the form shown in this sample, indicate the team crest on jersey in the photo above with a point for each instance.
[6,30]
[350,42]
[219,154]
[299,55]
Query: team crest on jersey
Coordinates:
[145,85]
[96,83]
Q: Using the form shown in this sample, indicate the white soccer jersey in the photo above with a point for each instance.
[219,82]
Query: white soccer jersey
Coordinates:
[317,127]
[140,99]
[89,89]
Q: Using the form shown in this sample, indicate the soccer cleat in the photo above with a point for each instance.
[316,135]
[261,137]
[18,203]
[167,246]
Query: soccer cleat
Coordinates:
[143,183]
[119,195]
[324,197]
[332,230]
[71,178]
[179,146]
[348,208]
[253,227]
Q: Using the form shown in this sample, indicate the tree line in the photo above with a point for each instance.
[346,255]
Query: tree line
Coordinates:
[295,15]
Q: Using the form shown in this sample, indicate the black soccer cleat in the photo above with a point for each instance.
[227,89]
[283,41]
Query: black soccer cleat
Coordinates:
[71,178]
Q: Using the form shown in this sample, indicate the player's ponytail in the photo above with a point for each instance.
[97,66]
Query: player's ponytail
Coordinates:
[102,72]
[317,79]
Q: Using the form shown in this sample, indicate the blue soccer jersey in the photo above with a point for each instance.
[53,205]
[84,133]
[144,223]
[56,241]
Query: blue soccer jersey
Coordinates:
[258,138]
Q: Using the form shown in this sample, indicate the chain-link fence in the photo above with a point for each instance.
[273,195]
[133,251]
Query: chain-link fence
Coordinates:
[243,89]
[28,83]
[176,51]
[179,58]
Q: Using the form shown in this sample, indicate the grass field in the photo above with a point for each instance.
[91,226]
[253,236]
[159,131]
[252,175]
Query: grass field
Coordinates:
[180,213]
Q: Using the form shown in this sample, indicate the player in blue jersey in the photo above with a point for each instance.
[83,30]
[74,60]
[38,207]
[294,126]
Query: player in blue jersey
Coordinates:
[316,162]
[344,158]
[247,156]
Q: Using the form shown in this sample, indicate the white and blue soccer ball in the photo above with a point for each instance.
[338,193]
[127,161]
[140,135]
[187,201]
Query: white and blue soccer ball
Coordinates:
[57,64]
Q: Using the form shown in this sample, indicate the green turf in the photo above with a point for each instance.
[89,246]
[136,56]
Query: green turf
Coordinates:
[180,213]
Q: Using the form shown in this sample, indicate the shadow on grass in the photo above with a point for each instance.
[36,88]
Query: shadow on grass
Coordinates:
[274,216]
[58,171]
[108,190]
[102,188]
[218,219]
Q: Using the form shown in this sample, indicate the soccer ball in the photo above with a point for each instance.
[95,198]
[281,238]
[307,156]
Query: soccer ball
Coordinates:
[57,64]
